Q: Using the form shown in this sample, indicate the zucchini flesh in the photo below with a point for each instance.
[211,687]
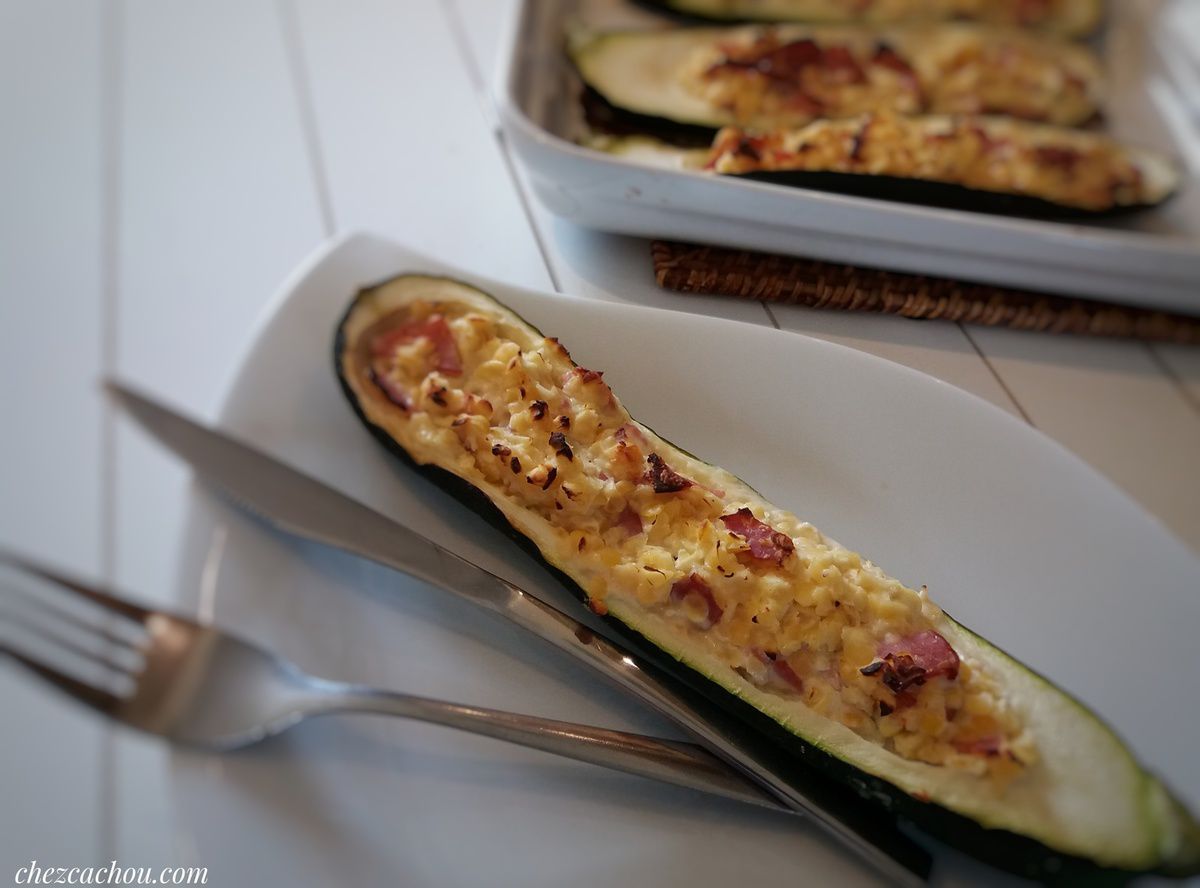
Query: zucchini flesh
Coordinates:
[1079,801]
[790,75]
[1074,18]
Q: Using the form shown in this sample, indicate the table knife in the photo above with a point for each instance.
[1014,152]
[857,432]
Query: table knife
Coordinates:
[301,505]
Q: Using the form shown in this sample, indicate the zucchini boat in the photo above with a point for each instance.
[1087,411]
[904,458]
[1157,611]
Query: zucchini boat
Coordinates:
[843,668]
[982,164]
[788,76]
[1074,18]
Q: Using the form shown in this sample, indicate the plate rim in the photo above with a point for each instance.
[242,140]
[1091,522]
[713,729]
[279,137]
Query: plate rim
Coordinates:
[187,579]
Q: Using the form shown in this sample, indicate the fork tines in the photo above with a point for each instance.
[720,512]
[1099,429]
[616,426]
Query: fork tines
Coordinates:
[72,648]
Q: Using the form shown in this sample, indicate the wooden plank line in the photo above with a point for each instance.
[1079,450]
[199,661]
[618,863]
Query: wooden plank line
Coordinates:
[297,62]
[1112,404]
[1191,394]
[474,68]
[996,374]
[771,316]
[410,161]
[111,77]
[52,334]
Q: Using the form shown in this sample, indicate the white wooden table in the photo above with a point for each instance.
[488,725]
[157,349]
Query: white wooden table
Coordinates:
[164,164]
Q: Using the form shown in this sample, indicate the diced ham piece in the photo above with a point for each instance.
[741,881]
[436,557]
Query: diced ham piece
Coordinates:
[989,747]
[630,431]
[448,360]
[390,388]
[766,543]
[659,473]
[929,651]
[841,66]
[1056,157]
[781,668]
[784,670]
[630,521]
[662,477]
[585,375]
[694,586]
[1032,11]
[886,57]
[913,661]
[787,61]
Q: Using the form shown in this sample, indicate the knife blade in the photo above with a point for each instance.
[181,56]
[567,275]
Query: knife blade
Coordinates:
[301,505]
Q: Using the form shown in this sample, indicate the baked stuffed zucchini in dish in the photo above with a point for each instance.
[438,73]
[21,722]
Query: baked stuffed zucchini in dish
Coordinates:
[767,77]
[1074,18]
[843,667]
[984,164]
[962,163]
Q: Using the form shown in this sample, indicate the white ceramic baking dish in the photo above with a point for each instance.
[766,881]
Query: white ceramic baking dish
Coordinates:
[1150,259]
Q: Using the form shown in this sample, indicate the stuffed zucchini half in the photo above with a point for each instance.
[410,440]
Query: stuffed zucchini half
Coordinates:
[1074,18]
[767,77]
[985,164]
[850,670]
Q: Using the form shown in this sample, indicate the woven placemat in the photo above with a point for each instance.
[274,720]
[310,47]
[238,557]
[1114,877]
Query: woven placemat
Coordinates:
[688,268]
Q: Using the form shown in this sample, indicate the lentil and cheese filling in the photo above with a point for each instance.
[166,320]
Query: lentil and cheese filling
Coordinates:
[767,77]
[783,608]
[1080,170]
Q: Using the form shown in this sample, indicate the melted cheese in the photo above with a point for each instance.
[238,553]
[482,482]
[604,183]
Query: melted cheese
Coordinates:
[1073,169]
[764,78]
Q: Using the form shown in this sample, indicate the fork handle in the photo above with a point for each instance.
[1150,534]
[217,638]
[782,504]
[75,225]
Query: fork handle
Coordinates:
[668,761]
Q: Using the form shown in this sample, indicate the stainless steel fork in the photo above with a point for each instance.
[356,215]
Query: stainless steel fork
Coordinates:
[202,687]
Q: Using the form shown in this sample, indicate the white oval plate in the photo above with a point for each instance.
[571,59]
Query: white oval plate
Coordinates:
[1013,534]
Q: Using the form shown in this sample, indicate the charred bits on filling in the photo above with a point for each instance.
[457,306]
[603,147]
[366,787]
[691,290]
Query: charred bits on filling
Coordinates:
[662,477]
[564,422]
[747,148]
[559,442]
[900,672]
[860,141]
[542,477]
[500,450]
[515,465]
[538,409]
[438,396]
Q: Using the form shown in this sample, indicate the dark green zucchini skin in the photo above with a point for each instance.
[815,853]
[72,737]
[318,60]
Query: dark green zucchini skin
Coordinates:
[943,195]
[817,773]
[604,116]
[663,8]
